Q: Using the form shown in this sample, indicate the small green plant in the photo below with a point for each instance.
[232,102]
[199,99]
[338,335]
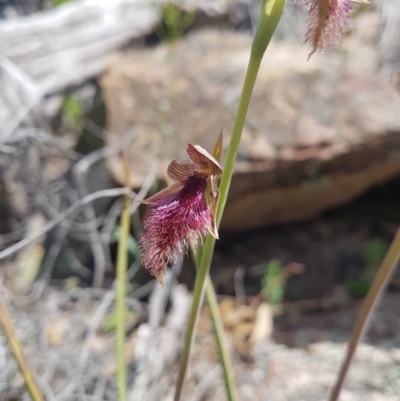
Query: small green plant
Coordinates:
[174,23]
[72,113]
[132,247]
[273,282]
[375,251]
[110,322]
[357,288]
[57,3]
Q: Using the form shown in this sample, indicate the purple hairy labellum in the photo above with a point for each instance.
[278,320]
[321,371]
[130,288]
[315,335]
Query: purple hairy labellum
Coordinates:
[182,213]
[328,21]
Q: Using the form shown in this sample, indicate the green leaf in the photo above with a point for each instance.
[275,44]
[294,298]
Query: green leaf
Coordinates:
[273,285]
[132,243]
[57,3]
[72,112]
[375,253]
[357,288]
[174,23]
[111,320]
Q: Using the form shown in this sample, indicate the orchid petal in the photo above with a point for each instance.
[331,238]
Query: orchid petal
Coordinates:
[328,20]
[165,193]
[218,147]
[180,171]
[203,161]
[212,203]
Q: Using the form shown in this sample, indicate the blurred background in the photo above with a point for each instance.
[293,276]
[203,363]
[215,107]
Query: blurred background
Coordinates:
[313,207]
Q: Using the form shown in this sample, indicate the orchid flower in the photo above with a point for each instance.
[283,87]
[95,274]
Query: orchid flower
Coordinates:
[328,20]
[182,213]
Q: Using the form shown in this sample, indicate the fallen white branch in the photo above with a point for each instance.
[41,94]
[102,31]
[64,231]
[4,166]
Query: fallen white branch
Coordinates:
[18,94]
[73,42]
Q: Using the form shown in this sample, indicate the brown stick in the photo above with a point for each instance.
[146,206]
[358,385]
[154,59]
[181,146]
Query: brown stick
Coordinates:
[369,305]
[18,352]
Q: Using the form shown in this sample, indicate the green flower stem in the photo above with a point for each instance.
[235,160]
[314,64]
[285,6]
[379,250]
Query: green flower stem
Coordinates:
[221,342]
[370,303]
[268,21]
[198,293]
[219,332]
[120,312]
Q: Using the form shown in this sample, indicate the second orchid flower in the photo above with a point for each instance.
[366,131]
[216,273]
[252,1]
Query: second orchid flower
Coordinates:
[328,20]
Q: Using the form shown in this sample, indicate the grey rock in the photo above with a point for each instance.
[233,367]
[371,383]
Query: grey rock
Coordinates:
[317,134]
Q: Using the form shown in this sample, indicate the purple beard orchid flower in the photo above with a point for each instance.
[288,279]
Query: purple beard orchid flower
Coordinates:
[182,213]
[328,20]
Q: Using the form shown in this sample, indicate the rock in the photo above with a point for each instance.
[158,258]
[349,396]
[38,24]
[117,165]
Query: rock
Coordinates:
[388,46]
[317,135]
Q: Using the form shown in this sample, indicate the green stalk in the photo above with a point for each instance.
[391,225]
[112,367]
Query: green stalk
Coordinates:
[268,21]
[369,305]
[122,263]
[221,343]
[17,350]
[219,331]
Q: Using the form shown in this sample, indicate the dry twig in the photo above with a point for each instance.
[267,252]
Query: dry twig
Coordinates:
[18,352]
[79,172]
[106,193]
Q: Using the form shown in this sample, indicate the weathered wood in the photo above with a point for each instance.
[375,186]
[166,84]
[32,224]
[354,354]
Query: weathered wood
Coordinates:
[18,94]
[77,40]
[45,52]
[68,44]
